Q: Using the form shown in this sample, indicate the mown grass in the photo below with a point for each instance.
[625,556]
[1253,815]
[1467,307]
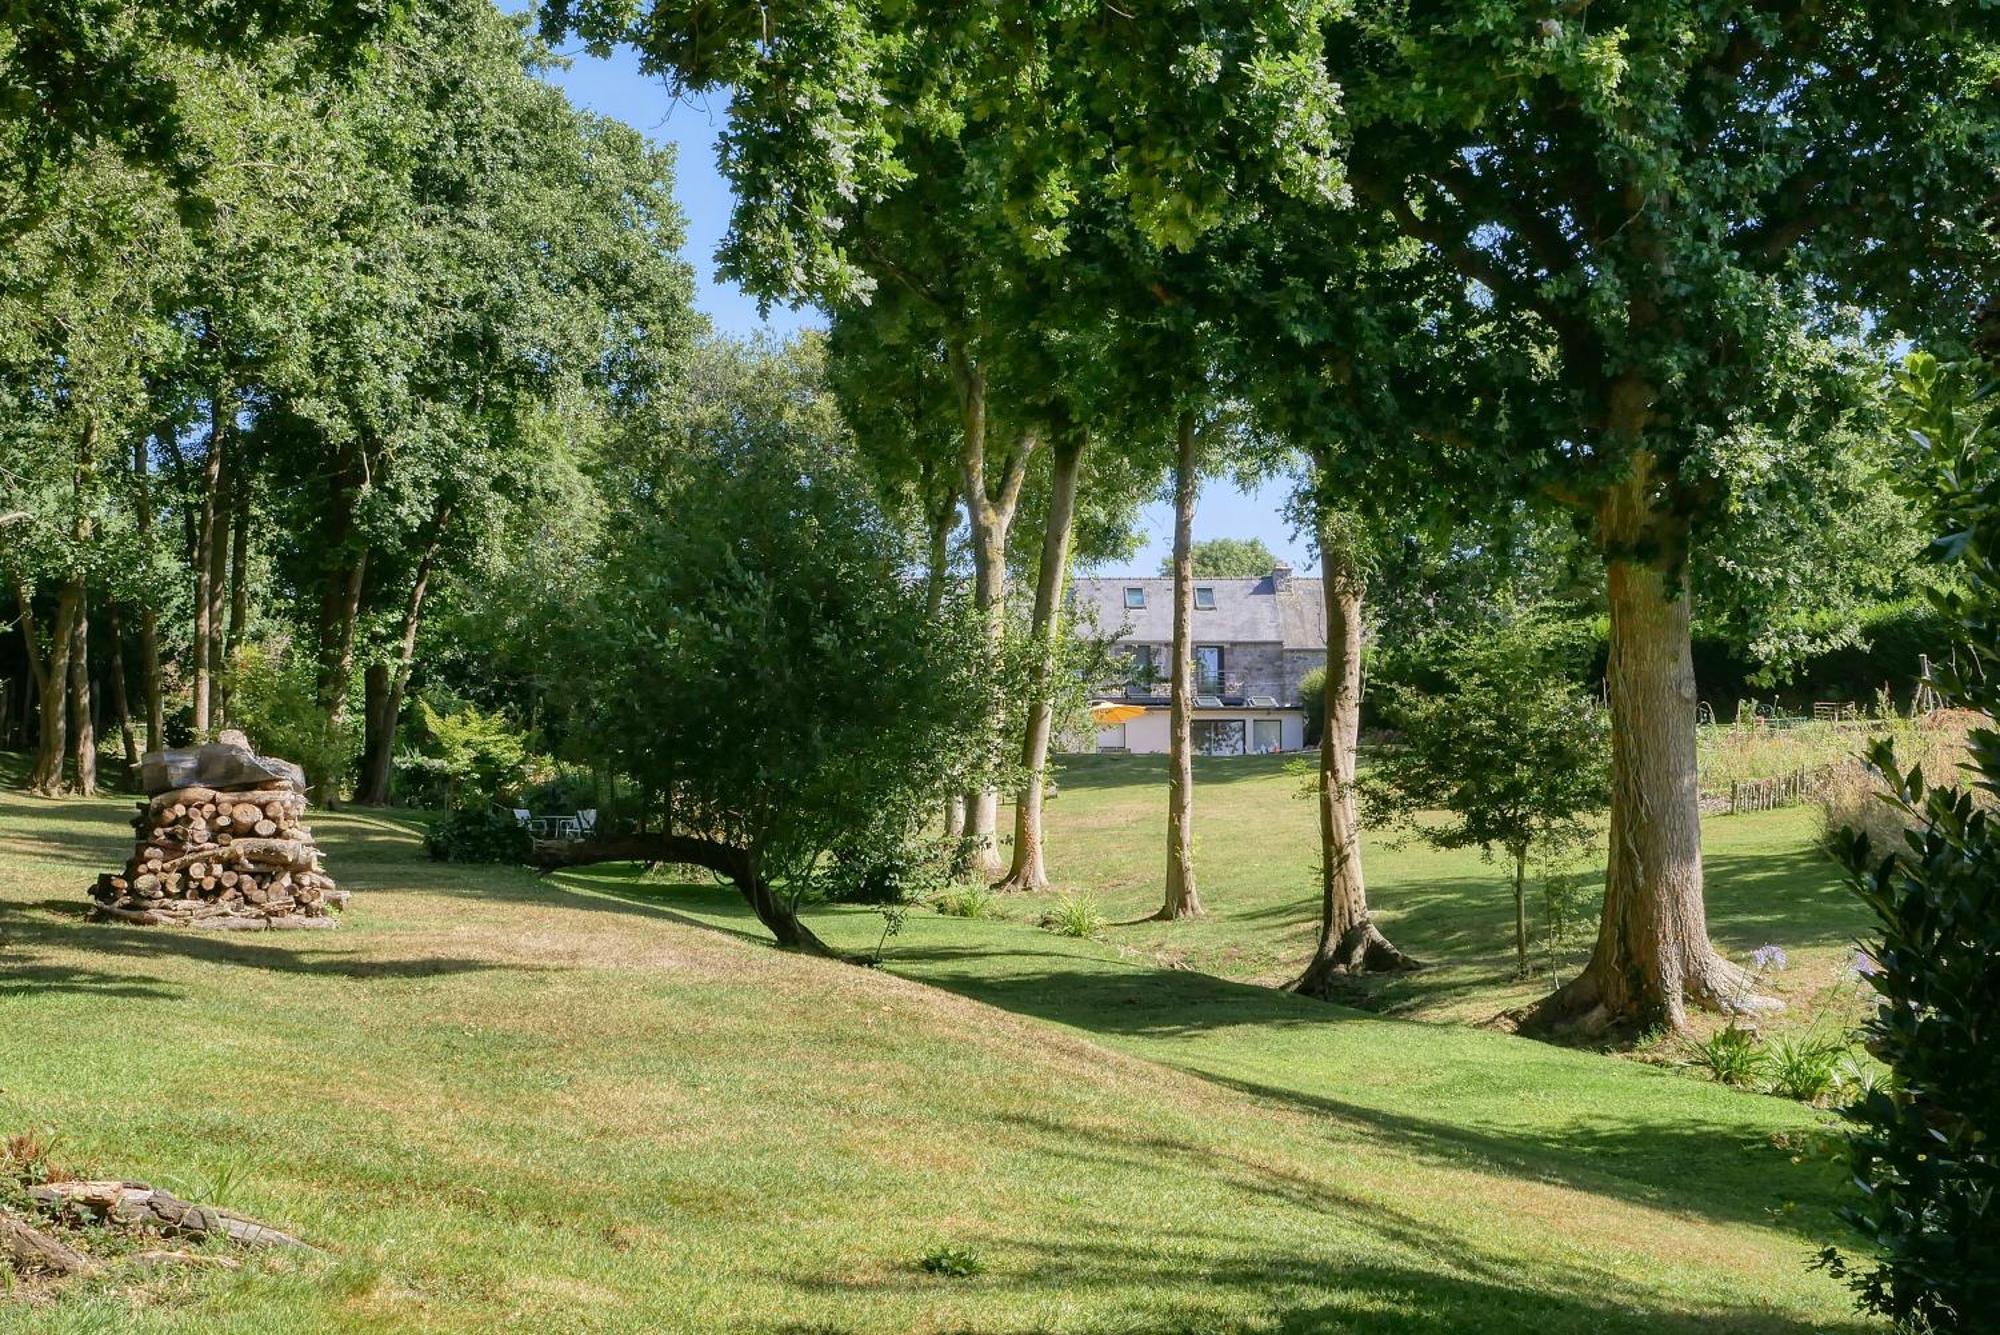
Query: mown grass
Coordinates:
[1255,849]
[601,1103]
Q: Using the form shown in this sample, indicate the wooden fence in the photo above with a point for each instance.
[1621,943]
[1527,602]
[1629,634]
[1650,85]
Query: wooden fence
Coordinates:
[1782,790]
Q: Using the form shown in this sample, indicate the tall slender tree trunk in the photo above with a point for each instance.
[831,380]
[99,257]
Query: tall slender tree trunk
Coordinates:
[1653,955]
[239,584]
[379,754]
[82,729]
[149,622]
[50,671]
[1183,900]
[990,505]
[121,705]
[1521,910]
[1349,942]
[1029,871]
[208,544]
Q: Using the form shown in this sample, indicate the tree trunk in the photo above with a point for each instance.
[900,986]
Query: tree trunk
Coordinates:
[1183,900]
[45,776]
[83,732]
[990,506]
[1349,942]
[772,909]
[1653,954]
[207,542]
[149,622]
[1029,872]
[121,705]
[239,584]
[1521,911]
[377,765]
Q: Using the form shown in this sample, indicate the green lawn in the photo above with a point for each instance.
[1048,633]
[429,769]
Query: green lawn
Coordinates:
[601,1103]
[1255,845]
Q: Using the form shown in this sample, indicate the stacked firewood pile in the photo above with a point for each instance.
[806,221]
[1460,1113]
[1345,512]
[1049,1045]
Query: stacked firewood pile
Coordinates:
[228,849]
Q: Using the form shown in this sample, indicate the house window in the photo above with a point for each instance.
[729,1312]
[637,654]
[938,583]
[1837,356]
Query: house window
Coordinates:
[1208,668]
[1216,736]
[1204,598]
[1135,597]
[1266,736]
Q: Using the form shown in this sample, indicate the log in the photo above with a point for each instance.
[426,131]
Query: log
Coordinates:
[265,828]
[136,1204]
[182,797]
[33,1252]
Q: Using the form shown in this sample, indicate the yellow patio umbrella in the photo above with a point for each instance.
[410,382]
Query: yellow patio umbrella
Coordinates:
[1107,712]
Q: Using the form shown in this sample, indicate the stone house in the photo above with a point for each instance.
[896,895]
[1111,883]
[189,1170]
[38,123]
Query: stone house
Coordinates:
[1253,641]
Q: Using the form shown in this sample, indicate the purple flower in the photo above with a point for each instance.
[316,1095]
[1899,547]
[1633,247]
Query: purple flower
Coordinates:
[1769,957]
[1865,965]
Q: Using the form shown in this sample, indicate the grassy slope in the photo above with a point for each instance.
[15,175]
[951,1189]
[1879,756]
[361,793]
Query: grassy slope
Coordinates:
[506,1104]
[1255,849]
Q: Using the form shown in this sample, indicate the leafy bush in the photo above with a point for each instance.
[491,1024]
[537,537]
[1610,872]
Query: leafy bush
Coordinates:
[1806,1066]
[477,754]
[477,834]
[1732,1056]
[1923,1150]
[970,900]
[885,865]
[952,1261]
[1074,915]
[274,699]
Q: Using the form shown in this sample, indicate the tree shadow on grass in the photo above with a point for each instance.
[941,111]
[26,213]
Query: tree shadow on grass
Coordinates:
[1691,1165]
[1346,1285]
[304,953]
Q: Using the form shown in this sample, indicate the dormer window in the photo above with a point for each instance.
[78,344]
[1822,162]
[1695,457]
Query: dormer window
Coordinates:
[1204,598]
[1135,596]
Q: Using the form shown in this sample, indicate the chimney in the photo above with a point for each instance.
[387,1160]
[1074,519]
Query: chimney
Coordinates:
[1281,576]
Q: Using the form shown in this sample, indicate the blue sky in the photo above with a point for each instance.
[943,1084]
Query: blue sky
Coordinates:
[615,87]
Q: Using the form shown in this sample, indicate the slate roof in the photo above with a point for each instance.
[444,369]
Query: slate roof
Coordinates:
[1247,611]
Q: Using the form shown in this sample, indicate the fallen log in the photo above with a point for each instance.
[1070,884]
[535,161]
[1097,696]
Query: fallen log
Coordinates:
[32,1252]
[137,1205]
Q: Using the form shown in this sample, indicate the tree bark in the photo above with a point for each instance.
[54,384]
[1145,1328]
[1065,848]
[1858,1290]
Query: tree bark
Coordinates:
[121,705]
[149,622]
[378,766]
[1183,900]
[206,544]
[1653,955]
[1521,911]
[1349,942]
[771,908]
[83,732]
[239,585]
[990,505]
[45,776]
[1029,870]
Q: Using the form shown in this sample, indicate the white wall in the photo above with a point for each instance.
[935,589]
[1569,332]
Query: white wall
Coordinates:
[1147,734]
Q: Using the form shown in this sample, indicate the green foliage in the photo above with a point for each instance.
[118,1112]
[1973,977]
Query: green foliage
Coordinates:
[272,699]
[952,1261]
[1732,1055]
[483,833]
[1806,1066]
[1924,1151]
[479,755]
[1227,558]
[883,863]
[1510,749]
[1074,914]
[968,899]
[754,647]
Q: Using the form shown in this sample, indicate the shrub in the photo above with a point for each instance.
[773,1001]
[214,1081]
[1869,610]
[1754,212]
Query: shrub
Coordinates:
[971,900]
[1731,1055]
[1923,1150]
[477,754]
[1074,915]
[274,699]
[477,834]
[1806,1066]
[885,865]
[952,1261]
